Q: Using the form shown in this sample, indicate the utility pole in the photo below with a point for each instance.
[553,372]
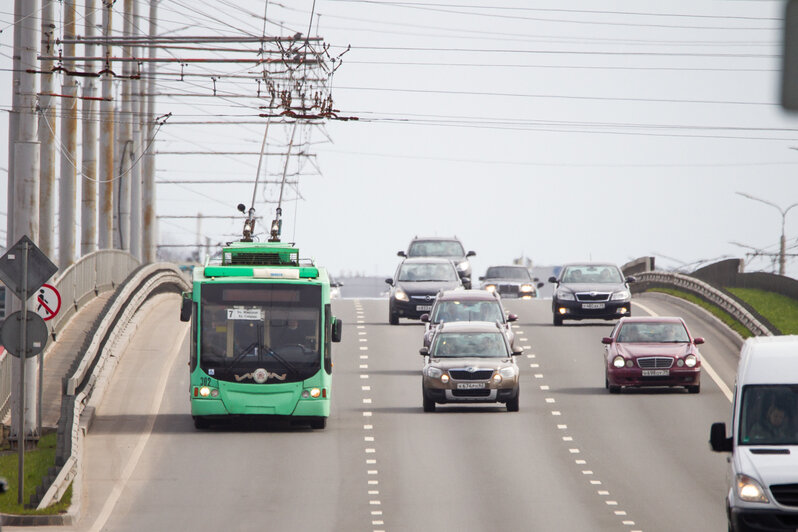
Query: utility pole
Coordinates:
[26,191]
[149,233]
[106,162]
[124,143]
[47,127]
[88,196]
[69,146]
[136,151]
[783,241]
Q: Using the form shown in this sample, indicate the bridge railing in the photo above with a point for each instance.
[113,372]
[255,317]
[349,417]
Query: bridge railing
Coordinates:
[81,282]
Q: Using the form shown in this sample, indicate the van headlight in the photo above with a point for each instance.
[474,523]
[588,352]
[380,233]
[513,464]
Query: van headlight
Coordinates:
[750,490]
[400,295]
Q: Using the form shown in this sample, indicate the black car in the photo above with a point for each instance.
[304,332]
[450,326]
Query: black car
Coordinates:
[510,282]
[450,248]
[590,291]
[415,285]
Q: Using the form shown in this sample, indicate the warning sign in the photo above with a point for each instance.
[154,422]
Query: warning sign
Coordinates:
[47,302]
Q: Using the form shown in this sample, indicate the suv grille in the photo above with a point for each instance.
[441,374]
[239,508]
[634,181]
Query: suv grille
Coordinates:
[508,289]
[588,296]
[464,375]
[471,393]
[655,362]
[786,494]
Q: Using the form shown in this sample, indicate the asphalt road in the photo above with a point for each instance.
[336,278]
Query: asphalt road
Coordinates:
[575,458]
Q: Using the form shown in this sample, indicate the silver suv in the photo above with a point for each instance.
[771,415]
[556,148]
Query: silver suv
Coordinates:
[446,247]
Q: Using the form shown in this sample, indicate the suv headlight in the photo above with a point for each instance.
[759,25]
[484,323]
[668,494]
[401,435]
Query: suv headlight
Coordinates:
[433,372]
[564,295]
[400,295]
[508,372]
[490,287]
[749,489]
[527,288]
[462,266]
[623,294]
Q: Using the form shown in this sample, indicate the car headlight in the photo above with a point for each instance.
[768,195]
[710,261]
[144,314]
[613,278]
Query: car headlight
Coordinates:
[490,288]
[400,295]
[527,288]
[565,296]
[463,266]
[690,361]
[497,377]
[623,294]
[444,378]
[508,372]
[433,372]
[749,489]
[618,361]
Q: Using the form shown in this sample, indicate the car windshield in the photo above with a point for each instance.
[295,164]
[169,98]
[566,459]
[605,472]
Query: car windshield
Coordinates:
[508,272]
[245,327]
[427,271]
[456,310]
[435,248]
[469,344]
[592,274]
[767,415]
[653,333]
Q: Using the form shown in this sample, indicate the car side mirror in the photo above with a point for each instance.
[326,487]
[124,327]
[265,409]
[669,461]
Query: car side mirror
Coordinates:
[552,279]
[481,277]
[540,285]
[389,281]
[607,340]
[186,309]
[424,351]
[465,280]
[337,326]
[471,254]
[698,341]
[718,441]
[631,279]
[512,317]
[401,254]
[518,351]
[424,318]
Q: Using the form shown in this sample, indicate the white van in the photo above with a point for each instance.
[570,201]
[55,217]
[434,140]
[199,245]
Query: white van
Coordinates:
[763,479]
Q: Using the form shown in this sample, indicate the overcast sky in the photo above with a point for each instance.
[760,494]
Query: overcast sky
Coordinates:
[561,131]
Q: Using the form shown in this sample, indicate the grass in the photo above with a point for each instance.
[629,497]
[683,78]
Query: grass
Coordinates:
[718,312]
[778,309]
[37,462]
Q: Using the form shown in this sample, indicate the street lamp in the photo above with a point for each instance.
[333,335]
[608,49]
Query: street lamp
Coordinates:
[783,212]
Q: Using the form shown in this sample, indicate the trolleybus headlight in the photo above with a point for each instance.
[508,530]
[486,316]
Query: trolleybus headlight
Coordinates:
[305,394]
[205,391]
[618,361]
[690,361]
[315,392]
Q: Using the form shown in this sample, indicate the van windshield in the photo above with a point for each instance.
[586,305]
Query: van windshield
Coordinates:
[768,415]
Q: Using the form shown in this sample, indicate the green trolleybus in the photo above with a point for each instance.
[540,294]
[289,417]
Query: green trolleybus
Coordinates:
[261,333]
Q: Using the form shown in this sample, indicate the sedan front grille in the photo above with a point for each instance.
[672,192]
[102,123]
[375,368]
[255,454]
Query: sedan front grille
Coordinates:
[465,375]
[786,494]
[592,296]
[655,362]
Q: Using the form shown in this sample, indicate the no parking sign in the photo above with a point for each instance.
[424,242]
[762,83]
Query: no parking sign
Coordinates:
[48,302]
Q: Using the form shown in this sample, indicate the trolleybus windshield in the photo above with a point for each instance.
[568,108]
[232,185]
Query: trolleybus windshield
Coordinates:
[273,327]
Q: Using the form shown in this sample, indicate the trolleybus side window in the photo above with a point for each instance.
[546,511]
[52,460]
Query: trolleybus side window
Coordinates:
[328,338]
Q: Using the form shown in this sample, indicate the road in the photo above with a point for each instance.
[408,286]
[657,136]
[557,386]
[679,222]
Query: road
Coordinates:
[575,458]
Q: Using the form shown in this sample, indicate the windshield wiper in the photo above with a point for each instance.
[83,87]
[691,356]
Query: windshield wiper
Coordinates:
[286,364]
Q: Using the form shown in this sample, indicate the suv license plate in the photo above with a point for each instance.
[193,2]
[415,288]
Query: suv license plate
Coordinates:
[470,385]
[592,305]
[422,308]
[656,372]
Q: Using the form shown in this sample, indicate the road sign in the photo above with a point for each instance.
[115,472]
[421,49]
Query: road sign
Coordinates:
[48,302]
[40,268]
[35,338]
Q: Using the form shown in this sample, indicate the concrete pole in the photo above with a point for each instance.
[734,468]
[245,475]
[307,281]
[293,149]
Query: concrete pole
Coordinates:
[26,195]
[69,148]
[150,230]
[135,153]
[125,140]
[106,161]
[88,195]
[13,126]
[47,128]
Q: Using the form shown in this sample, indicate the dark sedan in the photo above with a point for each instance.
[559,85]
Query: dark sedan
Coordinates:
[590,291]
[652,351]
[416,284]
[510,282]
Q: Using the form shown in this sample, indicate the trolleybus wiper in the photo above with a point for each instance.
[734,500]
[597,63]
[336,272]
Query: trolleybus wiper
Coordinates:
[281,360]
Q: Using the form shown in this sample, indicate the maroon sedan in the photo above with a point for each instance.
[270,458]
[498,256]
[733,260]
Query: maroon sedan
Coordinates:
[652,351]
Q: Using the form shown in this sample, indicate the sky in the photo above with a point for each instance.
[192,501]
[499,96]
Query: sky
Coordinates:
[556,131]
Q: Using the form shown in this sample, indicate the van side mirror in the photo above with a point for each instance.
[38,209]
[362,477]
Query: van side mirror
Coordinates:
[698,341]
[424,351]
[186,308]
[337,325]
[607,340]
[718,440]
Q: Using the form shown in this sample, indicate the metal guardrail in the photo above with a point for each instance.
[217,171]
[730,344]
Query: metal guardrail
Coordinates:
[93,274]
[80,381]
[708,293]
